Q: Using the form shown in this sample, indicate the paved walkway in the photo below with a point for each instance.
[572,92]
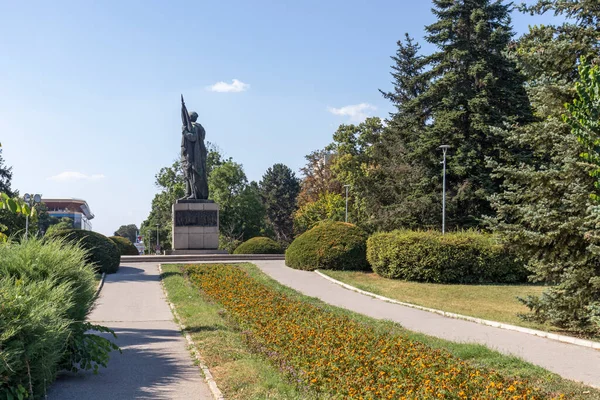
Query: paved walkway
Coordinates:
[570,361]
[155,363]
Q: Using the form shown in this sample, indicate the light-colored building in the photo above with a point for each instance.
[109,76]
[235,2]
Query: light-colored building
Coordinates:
[76,209]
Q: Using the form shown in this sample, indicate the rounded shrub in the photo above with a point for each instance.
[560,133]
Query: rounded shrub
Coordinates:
[126,248]
[101,251]
[461,257]
[259,245]
[329,245]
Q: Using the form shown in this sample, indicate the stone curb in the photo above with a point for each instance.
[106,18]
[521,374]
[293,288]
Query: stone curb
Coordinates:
[501,325]
[214,389]
[100,286]
[202,257]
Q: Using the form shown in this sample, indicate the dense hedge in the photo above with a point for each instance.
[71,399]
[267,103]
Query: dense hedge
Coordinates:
[329,245]
[340,357]
[259,245]
[46,292]
[102,252]
[126,248]
[462,257]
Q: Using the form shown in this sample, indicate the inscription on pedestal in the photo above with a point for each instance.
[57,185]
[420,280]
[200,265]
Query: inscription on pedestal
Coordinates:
[196,218]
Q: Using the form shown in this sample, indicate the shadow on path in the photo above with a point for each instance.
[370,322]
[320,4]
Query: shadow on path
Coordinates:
[146,369]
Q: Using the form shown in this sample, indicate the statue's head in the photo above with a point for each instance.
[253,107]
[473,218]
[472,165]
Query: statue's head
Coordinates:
[193,116]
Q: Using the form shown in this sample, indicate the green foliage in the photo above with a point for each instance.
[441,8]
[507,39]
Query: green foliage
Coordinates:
[428,256]
[34,329]
[318,177]
[354,163]
[544,210]
[259,245]
[329,245]
[5,177]
[241,214]
[59,225]
[101,251]
[126,248]
[584,117]
[328,207]
[128,231]
[454,97]
[46,291]
[279,189]
[228,244]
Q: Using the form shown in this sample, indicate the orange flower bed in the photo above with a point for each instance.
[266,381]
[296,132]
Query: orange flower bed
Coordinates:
[341,357]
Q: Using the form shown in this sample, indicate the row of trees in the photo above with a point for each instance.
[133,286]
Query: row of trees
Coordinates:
[515,165]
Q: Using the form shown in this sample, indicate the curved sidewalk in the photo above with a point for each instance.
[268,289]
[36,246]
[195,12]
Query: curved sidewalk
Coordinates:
[572,362]
[155,363]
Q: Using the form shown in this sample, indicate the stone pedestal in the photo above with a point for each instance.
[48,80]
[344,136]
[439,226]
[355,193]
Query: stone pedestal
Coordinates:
[195,225]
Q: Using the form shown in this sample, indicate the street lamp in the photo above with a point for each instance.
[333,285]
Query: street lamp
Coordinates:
[444,148]
[157,242]
[37,199]
[346,186]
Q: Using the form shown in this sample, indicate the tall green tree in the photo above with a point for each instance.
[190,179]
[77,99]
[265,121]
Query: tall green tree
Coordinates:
[10,223]
[318,179]
[544,209]
[279,190]
[399,193]
[354,164]
[242,214]
[472,87]
[128,231]
[5,176]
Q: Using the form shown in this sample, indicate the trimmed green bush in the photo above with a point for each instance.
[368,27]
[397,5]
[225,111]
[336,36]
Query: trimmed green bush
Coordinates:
[259,245]
[101,251]
[126,248]
[329,245]
[461,257]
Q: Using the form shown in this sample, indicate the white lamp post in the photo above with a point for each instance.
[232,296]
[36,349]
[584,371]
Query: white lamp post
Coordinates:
[346,186]
[37,199]
[444,148]
[157,242]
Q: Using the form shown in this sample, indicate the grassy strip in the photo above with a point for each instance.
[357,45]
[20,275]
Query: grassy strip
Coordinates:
[239,373]
[476,354]
[491,302]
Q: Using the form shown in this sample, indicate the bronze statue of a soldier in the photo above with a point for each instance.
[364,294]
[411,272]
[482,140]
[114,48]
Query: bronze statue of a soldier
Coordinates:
[193,156]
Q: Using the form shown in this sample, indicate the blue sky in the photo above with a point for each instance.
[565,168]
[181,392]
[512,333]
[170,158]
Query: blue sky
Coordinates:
[89,104]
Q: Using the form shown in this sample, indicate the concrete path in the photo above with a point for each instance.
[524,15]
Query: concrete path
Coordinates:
[155,363]
[570,361]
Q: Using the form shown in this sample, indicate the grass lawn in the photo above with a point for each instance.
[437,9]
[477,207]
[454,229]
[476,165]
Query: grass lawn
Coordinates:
[491,302]
[243,375]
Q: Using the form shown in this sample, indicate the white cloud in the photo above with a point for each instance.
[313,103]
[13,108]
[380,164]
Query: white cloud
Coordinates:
[69,176]
[356,112]
[235,86]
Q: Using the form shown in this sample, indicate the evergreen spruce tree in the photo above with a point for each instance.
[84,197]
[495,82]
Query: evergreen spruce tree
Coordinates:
[395,197]
[544,209]
[279,190]
[474,88]
[456,96]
